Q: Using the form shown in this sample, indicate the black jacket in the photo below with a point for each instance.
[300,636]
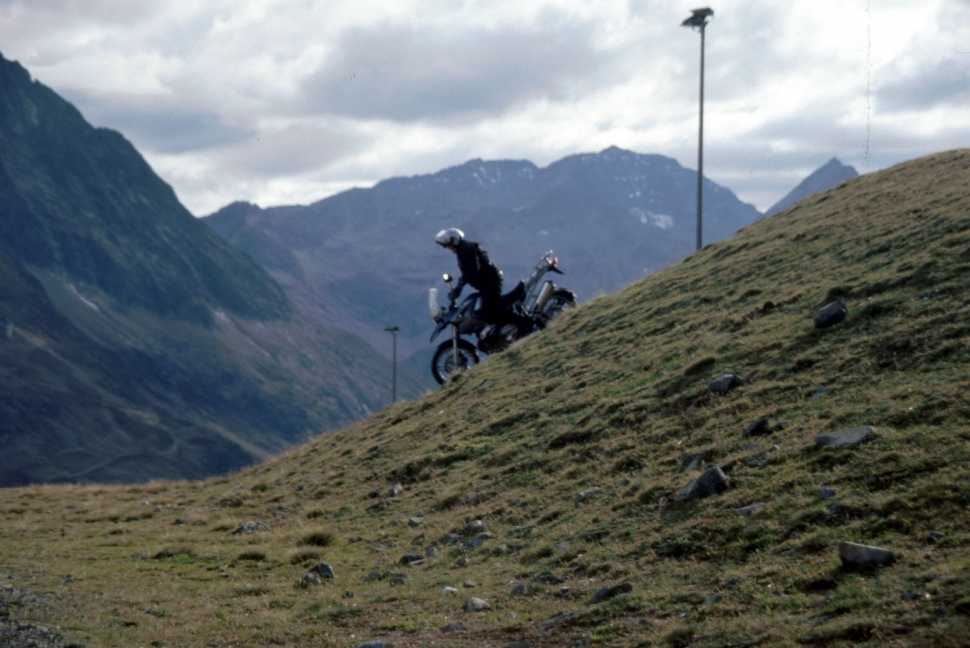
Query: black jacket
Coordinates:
[476,268]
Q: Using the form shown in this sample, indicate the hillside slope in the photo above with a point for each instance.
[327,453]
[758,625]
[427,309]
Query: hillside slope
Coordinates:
[540,478]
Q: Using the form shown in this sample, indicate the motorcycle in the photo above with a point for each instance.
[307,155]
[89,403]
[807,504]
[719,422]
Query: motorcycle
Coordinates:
[532,297]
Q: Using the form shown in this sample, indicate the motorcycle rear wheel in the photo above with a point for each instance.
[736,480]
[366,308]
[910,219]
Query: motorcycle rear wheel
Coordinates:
[444,364]
[559,301]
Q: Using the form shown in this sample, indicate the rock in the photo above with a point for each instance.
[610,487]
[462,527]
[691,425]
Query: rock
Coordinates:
[749,509]
[519,590]
[476,605]
[398,579]
[430,552]
[712,481]
[562,618]
[860,555]
[588,493]
[478,540]
[415,521]
[469,584]
[453,538]
[607,593]
[830,314]
[395,490]
[324,570]
[522,530]
[550,579]
[376,492]
[250,527]
[372,644]
[412,559]
[453,627]
[844,438]
[348,594]
[826,492]
[449,591]
[759,428]
[462,562]
[724,384]
[372,576]
[474,526]
[935,536]
[309,579]
[471,498]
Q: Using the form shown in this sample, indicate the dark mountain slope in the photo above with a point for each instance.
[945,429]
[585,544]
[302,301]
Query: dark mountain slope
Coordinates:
[140,344]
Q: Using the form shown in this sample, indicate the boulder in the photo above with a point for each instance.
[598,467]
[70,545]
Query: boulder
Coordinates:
[607,593]
[476,605]
[711,482]
[724,384]
[830,314]
[860,555]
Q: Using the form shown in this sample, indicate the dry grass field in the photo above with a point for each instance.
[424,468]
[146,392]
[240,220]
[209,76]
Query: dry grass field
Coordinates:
[550,472]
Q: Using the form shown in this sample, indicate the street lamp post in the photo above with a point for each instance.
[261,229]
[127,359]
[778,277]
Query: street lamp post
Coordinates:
[699,19]
[393,331]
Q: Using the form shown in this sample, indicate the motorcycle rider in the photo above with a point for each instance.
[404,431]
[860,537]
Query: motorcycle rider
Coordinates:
[478,271]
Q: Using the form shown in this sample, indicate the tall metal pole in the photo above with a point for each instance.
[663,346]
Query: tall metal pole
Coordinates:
[700,151]
[699,19]
[393,331]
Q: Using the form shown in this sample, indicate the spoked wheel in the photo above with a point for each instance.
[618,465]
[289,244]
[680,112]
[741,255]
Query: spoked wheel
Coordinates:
[445,364]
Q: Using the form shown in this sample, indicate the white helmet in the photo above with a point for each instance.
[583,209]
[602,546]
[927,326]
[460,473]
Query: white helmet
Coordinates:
[450,236]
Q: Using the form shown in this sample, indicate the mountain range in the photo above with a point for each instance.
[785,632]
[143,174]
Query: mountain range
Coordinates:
[137,344]
[365,258]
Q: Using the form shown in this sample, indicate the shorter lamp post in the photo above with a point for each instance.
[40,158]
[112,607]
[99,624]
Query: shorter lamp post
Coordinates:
[698,19]
[393,331]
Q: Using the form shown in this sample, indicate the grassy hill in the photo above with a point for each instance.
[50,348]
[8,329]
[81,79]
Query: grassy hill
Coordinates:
[570,450]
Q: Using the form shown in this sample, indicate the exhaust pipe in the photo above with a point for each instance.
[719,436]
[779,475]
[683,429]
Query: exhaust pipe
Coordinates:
[544,296]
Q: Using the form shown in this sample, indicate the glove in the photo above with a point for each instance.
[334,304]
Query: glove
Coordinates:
[453,293]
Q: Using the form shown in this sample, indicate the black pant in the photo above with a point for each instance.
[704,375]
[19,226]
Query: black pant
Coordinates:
[491,293]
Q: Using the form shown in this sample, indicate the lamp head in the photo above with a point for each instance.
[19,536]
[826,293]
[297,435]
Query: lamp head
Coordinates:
[698,18]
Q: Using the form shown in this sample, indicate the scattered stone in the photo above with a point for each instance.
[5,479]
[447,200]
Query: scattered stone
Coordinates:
[476,605]
[861,555]
[745,511]
[412,559]
[478,540]
[835,508]
[830,314]
[588,493]
[845,438]
[463,561]
[935,536]
[372,644]
[415,521]
[522,530]
[372,576]
[453,538]
[324,570]
[759,428]
[431,552]
[449,591]
[622,483]
[469,584]
[519,590]
[695,460]
[550,579]
[821,392]
[418,539]
[453,627]
[250,527]
[398,579]
[309,579]
[826,492]
[562,618]
[474,526]
[182,521]
[396,490]
[376,492]
[607,593]
[471,498]
[724,384]
[348,594]
[712,481]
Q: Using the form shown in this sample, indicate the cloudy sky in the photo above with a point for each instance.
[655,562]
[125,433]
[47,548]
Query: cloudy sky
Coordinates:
[289,101]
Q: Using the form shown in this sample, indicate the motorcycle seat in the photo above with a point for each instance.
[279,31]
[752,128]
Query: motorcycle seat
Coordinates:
[514,295]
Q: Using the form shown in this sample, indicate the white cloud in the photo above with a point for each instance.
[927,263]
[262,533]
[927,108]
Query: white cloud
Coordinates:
[283,101]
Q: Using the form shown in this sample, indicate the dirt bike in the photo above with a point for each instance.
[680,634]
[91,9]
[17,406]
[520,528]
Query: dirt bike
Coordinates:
[532,297]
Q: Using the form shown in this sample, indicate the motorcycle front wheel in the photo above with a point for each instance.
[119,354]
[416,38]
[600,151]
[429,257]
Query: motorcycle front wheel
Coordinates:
[559,301]
[444,364]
